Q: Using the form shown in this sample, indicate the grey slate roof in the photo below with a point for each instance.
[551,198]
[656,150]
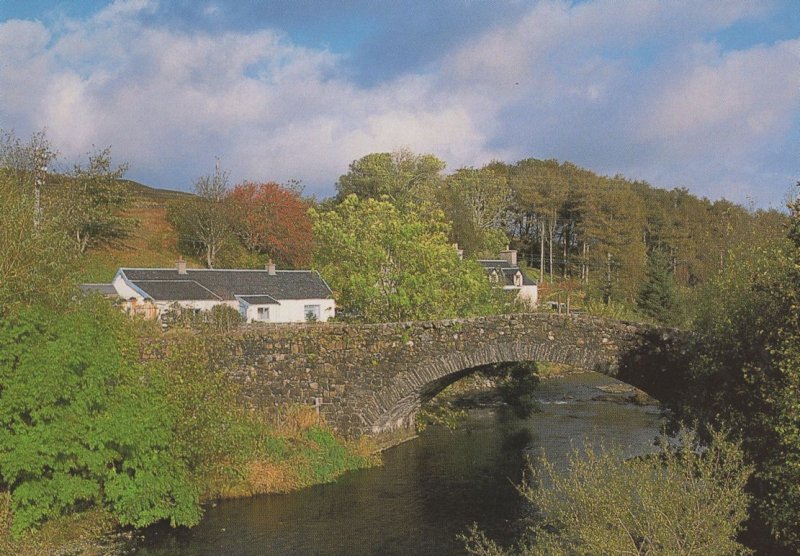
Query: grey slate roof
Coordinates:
[176,290]
[506,270]
[165,284]
[259,299]
[102,289]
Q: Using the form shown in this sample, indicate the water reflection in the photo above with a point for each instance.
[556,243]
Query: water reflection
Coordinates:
[427,492]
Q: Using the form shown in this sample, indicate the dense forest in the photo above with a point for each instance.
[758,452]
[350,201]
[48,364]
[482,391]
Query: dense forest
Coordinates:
[608,246]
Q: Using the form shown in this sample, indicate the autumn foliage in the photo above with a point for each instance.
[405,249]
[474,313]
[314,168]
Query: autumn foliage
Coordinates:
[273,220]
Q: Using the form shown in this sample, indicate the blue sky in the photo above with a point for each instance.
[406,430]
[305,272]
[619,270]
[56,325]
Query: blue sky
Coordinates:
[681,93]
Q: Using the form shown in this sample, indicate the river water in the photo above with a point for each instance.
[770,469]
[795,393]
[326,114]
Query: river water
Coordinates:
[428,490]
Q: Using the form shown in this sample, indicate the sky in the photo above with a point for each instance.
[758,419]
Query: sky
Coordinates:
[698,94]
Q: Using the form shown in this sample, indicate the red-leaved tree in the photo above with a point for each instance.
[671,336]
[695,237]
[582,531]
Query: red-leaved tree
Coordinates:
[273,220]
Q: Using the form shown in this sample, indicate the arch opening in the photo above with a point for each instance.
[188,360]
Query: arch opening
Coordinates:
[411,389]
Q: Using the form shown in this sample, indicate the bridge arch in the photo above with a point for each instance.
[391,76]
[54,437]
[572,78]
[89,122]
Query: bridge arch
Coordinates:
[371,379]
[398,403]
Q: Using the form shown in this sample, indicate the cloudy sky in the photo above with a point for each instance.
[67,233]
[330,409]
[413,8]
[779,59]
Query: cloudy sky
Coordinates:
[681,93]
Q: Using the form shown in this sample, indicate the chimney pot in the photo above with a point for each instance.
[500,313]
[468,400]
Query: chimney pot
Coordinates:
[181,266]
[271,268]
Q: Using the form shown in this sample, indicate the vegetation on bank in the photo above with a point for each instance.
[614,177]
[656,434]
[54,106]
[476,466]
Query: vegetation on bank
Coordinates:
[743,373]
[687,498]
[88,425]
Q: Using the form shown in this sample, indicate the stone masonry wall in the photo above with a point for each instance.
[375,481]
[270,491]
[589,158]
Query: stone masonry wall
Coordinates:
[371,379]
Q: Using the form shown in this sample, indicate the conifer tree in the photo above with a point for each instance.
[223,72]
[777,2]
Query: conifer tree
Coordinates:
[657,297]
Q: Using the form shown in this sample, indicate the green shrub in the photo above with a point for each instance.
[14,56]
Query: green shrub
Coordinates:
[327,457]
[213,433]
[684,500]
[84,423]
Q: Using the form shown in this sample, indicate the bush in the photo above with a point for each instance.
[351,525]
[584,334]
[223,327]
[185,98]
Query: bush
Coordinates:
[220,318]
[684,500]
[213,434]
[84,423]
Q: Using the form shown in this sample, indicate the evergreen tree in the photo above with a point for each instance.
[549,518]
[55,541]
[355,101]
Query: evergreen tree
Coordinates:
[657,297]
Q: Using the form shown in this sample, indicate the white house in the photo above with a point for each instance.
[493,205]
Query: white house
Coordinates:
[267,295]
[506,273]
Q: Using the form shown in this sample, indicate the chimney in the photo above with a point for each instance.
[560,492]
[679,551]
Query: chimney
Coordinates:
[271,268]
[509,255]
[181,266]
[460,252]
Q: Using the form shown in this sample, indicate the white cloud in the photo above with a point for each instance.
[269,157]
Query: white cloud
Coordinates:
[639,88]
[738,95]
[119,10]
[211,10]
[270,109]
[635,87]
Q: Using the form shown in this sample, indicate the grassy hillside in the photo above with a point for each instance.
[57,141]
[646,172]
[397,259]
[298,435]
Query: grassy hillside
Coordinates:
[152,242]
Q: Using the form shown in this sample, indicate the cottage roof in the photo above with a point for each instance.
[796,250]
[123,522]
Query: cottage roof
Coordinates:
[176,290]
[165,284]
[259,299]
[506,270]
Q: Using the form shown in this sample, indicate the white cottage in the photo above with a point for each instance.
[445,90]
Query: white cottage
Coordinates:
[267,295]
[505,273]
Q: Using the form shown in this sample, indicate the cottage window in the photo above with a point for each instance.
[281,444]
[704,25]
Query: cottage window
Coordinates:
[263,313]
[311,312]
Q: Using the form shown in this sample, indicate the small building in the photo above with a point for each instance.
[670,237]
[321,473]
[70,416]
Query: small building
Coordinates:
[267,295]
[506,273]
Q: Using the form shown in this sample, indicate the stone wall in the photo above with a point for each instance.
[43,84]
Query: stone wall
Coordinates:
[371,379]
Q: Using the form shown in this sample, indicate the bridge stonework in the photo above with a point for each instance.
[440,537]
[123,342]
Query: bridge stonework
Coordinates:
[372,379]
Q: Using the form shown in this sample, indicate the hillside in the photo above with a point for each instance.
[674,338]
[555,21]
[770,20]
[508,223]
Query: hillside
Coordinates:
[152,242]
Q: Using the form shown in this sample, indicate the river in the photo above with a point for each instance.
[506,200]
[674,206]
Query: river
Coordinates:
[428,490]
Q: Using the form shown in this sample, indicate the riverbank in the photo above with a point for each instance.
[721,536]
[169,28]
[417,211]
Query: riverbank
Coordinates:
[298,451]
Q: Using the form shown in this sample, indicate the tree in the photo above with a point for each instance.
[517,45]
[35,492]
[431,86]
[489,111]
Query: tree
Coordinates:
[744,373]
[384,265]
[685,500]
[36,262]
[540,187]
[273,220]
[403,177]
[657,297]
[26,165]
[91,201]
[88,202]
[84,422]
[203,222]
[474,200]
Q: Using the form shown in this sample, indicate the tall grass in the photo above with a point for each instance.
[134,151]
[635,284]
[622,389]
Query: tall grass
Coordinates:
[297,449]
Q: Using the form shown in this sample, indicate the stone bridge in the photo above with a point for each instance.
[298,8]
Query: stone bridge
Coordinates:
[372,379]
